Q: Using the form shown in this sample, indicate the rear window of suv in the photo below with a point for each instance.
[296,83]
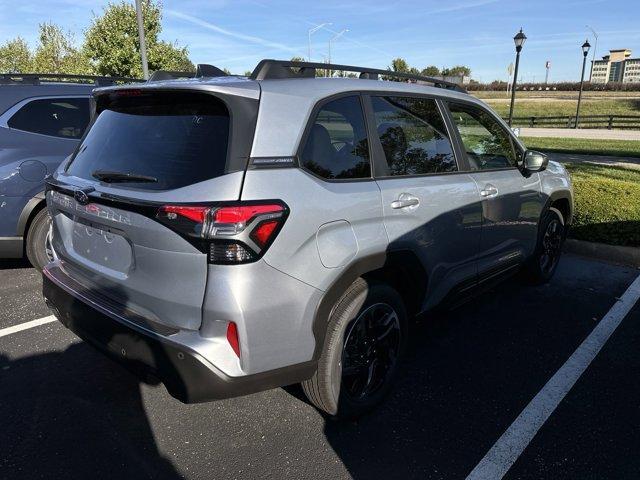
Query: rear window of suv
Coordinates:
[176,139]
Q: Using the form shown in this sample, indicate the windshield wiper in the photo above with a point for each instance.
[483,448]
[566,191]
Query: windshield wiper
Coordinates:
[109,176]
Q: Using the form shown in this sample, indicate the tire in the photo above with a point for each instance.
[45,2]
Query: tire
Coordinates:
[552,233]
[366,310]
[37,240]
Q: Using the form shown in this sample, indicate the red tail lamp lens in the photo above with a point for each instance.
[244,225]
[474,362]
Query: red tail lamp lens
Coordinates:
[232,338]
[230,234]
[244,213]
[263,232]
[195,214]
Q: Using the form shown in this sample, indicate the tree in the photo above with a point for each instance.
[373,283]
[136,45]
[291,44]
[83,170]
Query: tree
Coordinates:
[113,47]
[431,71]
[15,56]
[400,65]
[56,52]
[458,70]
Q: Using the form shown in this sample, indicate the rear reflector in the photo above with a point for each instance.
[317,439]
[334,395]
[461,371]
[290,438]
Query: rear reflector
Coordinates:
[232,338]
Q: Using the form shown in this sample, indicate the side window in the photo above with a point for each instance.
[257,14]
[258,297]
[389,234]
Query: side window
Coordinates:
[413,136]
[337,146]
[487,143]
[58,117]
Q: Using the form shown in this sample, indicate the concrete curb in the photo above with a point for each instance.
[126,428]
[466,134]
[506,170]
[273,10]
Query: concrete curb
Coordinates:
[629,256]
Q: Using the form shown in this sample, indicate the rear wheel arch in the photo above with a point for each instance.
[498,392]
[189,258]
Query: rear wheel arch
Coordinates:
[30,210]
[401,270]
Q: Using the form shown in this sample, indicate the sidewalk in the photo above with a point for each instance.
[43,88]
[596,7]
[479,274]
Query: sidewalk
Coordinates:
[587,133]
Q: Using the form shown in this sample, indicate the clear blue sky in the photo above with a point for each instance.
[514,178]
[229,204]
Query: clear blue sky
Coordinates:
[478,33]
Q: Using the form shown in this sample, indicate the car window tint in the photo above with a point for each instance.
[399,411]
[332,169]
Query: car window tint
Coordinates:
[487,143]
[177,138]
[413,136]
[337,146]
[58,117]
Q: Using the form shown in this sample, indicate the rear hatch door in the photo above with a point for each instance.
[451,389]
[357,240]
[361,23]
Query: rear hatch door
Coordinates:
[147,148]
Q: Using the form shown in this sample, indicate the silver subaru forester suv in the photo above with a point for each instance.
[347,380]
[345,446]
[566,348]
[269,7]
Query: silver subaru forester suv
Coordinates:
[227,235]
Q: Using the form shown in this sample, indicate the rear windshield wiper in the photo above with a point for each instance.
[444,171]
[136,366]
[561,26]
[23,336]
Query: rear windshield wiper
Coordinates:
[109,176]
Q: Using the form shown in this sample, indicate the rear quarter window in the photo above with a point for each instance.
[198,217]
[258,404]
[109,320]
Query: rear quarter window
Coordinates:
[56,117]
[178,139]
[337,146]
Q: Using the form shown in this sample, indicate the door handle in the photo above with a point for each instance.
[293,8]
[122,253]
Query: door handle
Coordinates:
[489,191]
[405,200]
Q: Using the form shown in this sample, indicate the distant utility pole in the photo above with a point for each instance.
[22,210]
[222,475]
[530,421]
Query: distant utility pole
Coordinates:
[314,30]
[333,39]
[546,75]
[143,44]
[595,48]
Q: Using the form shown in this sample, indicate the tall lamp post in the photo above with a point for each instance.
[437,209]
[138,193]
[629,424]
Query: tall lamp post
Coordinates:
[314,30]
[519,40]
[585,52]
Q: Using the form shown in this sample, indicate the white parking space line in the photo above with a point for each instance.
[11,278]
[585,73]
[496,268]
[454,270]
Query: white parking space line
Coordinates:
[515,439]
[27,325]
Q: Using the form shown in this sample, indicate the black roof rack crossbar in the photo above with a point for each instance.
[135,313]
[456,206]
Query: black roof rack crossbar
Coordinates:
[37,78]
[273,69]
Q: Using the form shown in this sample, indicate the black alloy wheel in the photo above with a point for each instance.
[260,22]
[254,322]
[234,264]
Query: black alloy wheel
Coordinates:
[371,351]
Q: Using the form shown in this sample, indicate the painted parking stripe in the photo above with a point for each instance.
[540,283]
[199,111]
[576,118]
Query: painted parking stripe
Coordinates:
[515,439]
[27,325]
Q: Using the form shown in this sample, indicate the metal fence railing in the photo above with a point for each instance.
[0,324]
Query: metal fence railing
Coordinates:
[586,121]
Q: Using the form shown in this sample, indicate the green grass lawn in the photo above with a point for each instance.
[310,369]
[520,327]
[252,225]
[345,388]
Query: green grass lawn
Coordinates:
[607,204]
[622,148]
[566,95]
[548,108]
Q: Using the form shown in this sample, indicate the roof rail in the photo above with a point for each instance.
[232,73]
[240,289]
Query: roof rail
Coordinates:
[278,69]
[37,78]
[202,70]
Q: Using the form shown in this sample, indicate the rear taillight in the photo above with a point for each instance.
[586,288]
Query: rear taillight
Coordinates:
[237,233]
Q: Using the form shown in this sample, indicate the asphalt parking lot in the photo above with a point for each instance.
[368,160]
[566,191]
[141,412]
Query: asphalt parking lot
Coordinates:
[68,412]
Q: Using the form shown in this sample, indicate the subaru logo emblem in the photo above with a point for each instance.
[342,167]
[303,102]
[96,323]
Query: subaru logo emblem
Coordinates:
[82,196]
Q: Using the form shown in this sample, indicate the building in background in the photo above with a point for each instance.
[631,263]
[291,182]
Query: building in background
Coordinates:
[618,66]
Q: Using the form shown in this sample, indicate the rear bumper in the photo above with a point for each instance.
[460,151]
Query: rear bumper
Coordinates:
[187,375]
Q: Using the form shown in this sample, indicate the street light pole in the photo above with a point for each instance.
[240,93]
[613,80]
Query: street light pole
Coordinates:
[585,52]
[314,30]
[143,44]
[519,40]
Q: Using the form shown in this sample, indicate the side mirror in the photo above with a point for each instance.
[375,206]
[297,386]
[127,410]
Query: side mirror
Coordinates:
[534,161]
